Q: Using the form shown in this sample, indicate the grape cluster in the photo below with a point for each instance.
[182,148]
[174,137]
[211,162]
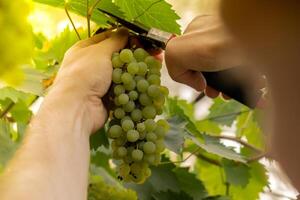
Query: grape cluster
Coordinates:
[138,139]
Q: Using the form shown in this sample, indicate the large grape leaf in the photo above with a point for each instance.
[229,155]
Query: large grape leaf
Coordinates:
[174,139]
[214,146]
[12,94]
[225,112]
[99,139]
[167,195]
[80,7]
[152,13]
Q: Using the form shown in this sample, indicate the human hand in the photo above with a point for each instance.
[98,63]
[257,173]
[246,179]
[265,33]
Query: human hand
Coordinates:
[204,46]
[86,74]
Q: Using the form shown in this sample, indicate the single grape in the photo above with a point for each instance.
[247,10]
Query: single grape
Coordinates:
[145,100]
[115,131]
[130,86]
[150,61]
[153,91]
[159,111]
[115,54]
[155,71]
[138,78]
[117,62]
[133,95]
[150,125]
[119,113]
[116,76]
[129,107]
[126,56]
[137,155]
[149,112]
[132,136]
[125,118]
[133,68]
[154,79]
[116,101]
[164,124]
[114,145]
[147,172]
[123,99]
[151,137]
[127,125]
[141,127]
[160,145]
[122,152]
[126,78]
[136,115]
[143,68]
[164,90]
[142,85]
[159,100]
[124,169]
[142,135]
[160,131]
[120,141]
[140,54]
[149,147]
[119,89]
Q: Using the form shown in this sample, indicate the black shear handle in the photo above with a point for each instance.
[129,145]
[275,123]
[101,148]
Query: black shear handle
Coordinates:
[225,82]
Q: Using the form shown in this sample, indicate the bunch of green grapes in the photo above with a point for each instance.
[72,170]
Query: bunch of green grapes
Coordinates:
[15,38]
[138,140]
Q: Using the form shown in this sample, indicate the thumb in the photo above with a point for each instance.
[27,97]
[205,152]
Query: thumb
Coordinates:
[116,42]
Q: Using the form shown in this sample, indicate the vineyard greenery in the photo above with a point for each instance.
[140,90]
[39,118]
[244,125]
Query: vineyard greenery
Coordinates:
[196,161]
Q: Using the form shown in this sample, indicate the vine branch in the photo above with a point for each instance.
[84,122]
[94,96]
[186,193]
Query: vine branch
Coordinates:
[89,15]
[70,19]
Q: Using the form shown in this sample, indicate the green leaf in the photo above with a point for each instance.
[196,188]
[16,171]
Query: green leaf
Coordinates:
[218,198]
[99,139]
[168,195]
[256,184]
[7,146]
[12,94]
[190,184]
[100,158]
[237,174]
[209,127]
[225,112]
[21,113]
[151,13]
[144,191]
[174,139]
[213,145]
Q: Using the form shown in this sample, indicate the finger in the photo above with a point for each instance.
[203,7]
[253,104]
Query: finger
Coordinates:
[93,40]
[212,93]
[192,79]
[115,42]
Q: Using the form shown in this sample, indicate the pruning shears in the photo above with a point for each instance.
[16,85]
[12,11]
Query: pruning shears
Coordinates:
[222,81]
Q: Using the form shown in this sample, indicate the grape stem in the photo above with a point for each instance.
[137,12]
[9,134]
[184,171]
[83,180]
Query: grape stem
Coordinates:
[70,19]
[89,15]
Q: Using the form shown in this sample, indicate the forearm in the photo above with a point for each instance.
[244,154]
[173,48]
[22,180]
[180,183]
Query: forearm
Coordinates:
[53,160]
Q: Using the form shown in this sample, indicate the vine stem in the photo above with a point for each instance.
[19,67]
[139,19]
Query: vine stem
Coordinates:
[181,161]
[89,14]
[7,109]
[70,19]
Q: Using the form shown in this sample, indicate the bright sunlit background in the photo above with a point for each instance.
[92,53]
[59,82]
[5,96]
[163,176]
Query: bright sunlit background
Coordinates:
[51,21]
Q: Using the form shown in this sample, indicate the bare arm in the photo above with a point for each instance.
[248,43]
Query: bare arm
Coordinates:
[53,161]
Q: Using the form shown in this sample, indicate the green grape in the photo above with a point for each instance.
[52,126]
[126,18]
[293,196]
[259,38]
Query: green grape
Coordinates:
[160,145]
[133,95]
[127,125]
[124,168]
[142,85]
[140,54]
[123,99]
[151,137]
[142,135]
[137,155]
[145,100]
[150,158]
[126,56]
[116,76]
[154,71]
[116,101]
[129,107]
[127,159]
[136,115]
[133,68]
[122,152]
[119,89]
[149,147]
[114,145]
[132,136]
[153,63]
[160,131]
[159,111]
[164,124]
[154,79]
[157,159]
[141,127]
[153,91]
[159,100]
[117,62]
[115,54]
[143,68]
[125,118]
[115,131]
[120,141]
[119,113]
[149,112]
[150,125]
[140,145]
[164,90]
[138,78]
[147,172]
[126,78]
[130,86]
